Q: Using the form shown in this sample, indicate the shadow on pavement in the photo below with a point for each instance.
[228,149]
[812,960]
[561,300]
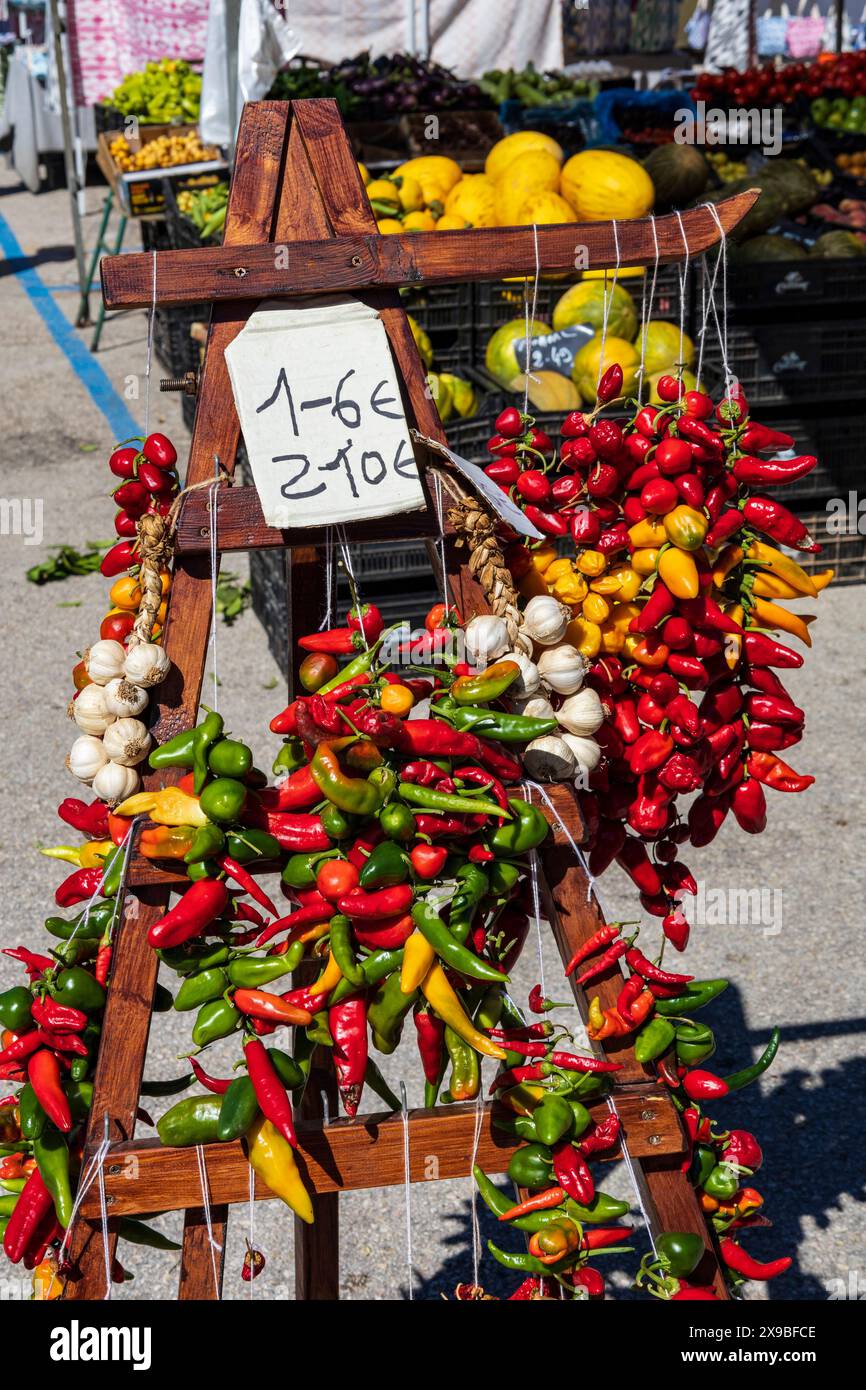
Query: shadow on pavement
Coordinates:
[15,264]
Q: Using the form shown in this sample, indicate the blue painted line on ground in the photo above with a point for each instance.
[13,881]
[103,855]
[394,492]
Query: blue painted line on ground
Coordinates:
[86,367]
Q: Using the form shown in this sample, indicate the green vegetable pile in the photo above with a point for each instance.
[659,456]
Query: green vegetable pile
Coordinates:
[533,88]
[165,91]
[205,208]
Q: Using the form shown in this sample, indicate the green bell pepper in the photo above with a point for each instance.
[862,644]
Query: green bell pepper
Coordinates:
[223,800]
[397,821]
[679,1252]
[694,1042]
[78,988]
[386,866]
[722,1182]
[300,870]
[526,831]
[335,822]
[532,1165]
[15,1006]
[215,1020]
[228,757]
[194,1120]
[554,1119]
[238,1110]
[208,841]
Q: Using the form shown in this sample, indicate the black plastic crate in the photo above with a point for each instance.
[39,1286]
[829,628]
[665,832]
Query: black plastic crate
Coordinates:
[795,362]
[154,234]
[843,552]
[445,312]
[183,232]
[786,285]
[173,343]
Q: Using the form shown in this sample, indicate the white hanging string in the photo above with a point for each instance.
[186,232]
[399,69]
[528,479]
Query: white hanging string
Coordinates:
[407,1188]
[473,1199]
[536,909]
[328,620]
[252,1235]
[212,497]
[581,859]
[437,496]
[88,1177]
[149,359]
[646,310]
[205,1200]
[635,1181]
[683,274]
[723,328]
[708,304]
[346,556]
[608,300]
[530,319]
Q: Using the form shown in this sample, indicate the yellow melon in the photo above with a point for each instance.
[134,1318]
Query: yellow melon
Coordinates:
[473,200]
[548,391]
[435,170]
[588,365]
[545,208]
[422,341]
[531,172]
[585,301]
[419,222]
[663,346]
[500,357]
[505,151]
[601,184]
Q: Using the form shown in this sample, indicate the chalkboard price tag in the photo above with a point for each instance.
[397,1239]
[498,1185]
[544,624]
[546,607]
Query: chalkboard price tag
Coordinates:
[320,409]
[554,352]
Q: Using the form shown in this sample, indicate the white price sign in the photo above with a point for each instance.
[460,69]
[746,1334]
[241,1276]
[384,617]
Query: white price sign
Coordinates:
[320,410]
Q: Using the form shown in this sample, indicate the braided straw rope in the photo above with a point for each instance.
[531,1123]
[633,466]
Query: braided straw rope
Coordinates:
[476,529]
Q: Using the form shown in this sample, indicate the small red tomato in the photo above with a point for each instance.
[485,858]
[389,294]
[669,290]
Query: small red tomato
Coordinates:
[673,456]
[122,462]
[116,627]
[509,422]
[158,449]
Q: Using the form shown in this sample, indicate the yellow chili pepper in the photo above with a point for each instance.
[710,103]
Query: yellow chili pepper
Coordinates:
[772,586]
[733,642]
[728,559]
[522,1099]
[679,572]
[585,636]
[591,563]
[557,570]
[595,609]
[612,638]
[532,584]
[623,613]
[822,579]
[438,992]
[569,588]
[544,557]
[168,806]
[605,584]
[418,956]
[783,566]
[70,854]
[272,1159]
[329,978]
[647,533]
[645,561]
[685,527]
[629,581]
[773,615]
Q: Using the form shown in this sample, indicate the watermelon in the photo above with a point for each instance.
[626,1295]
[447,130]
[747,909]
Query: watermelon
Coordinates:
[679,174]
[771,248]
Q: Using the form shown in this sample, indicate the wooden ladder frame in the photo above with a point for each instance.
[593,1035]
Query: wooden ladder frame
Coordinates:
[296,183]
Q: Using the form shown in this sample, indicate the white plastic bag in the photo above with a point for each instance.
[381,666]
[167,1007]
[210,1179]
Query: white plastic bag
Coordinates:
[262,44]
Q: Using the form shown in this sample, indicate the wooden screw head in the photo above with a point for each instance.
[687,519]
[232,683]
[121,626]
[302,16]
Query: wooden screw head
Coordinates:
[240,272]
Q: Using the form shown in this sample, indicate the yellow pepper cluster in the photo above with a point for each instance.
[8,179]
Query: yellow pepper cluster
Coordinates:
[772,576]
[161,153]
[601,595]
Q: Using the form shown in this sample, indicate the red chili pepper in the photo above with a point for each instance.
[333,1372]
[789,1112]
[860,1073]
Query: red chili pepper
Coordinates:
[571,1171]
[678,880]
[529,1048]
[514,1076]
[691,489]
[737,1259]
[91,820]
[504,471]
[597,942]
[78,887]
[603,1136]
[22,1045]
[48,1013]
[34,1204]
[609,843]
[650,751]
[347,1022]
[550,523]
[767,768]
[294,793]
[299,833]
[368,621]
[585,526]
[774,709]
[428,860]
[214,1084]
[766,680]
[480,854]
[697,432]
[659,605]
[605,961]
[43,1073]
[634,859]
[200,905]
[270,1091]
[758,438]
[602,1236]
[762,650]
[614,539]
[570,1061]
[727,524]
[338,641]
[386,935]
[430,1032]
[244,879]
[750,470]
[704,1085]
[296,923]
[590,1279]
[119,559]
[688,669]
[777,522]
[610,385]
[376,905]
[639,963]
[771,738]
[276,1008]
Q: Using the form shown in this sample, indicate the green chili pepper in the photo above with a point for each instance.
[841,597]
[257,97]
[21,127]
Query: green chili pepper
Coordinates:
[525,832]
[183,960]
[529,1264]
[208,868]
[365,661]
[581,1118]
[249,972]
[238,1110]
[458,956]
[738,1079]
[215,1020]
[300,870]
[397,821]
[379,1086]
[290,757]
[318,1031]
[12,1186]
[78,988]
[502,877]
[303,1054]
[15,1006]
[139,1233]
[33,1117]
[474,884]
[335,822]
[680,1252]
[200,988]
[429,799]
[386,866]
[504,728]
[192,1121]
[247,846]
[375,967]
[694,1042]
[52,1160]
[518,1126]
[340,937]
[9,1203]
[288,1070]
[228,757]
[553,1119]
[486,685]
[87,926]
[704,1160]
[388,1008]
[465,1080]
[653,1039]
[80,1097]
[489,1011]
[223,800]
[697,994]
[208,840]
[531,1166]
[112,871]
[722,1181]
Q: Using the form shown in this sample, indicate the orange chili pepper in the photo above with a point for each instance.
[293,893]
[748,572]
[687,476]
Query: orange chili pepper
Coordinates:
[540,1201]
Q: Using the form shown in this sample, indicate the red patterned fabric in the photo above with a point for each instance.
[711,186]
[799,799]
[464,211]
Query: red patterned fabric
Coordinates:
[108,39]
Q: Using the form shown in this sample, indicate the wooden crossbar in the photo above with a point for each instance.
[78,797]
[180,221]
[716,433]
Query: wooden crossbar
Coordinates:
[296,184]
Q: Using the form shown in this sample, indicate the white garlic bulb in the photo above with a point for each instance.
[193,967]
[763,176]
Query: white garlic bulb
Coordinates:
[114,782]
[549,759]
[146,665]
[86,756]
[90,710]
[545,619]
[485,638]
[104,660]
[528,681]
[127,741]
[123,699]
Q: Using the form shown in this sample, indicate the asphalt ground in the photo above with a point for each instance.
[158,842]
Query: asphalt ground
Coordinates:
[781,912]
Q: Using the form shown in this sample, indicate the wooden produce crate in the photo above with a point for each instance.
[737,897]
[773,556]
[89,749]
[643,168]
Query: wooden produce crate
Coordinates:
[140,193]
